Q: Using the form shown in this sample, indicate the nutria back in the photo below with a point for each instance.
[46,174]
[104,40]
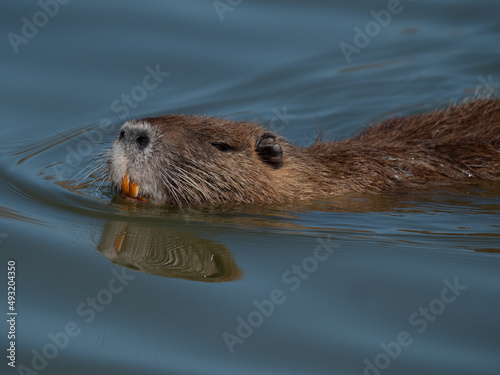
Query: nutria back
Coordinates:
[476,121]
[185,160]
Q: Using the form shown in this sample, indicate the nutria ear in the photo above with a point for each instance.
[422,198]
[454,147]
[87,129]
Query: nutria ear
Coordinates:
[269,150]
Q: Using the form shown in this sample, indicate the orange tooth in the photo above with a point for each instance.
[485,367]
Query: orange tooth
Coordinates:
[134,189]
[125,185]
[130,188]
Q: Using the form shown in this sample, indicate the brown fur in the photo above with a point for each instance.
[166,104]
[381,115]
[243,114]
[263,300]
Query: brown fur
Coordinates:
[458,144]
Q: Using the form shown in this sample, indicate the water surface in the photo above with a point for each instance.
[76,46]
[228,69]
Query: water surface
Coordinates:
[402,283]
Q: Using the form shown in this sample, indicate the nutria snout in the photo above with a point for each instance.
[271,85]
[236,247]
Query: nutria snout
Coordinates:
[184,160]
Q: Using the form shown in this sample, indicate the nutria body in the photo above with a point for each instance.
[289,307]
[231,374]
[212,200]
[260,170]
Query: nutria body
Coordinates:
[184,160]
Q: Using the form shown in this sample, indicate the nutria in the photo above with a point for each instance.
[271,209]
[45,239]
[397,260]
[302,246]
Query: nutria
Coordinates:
[183,160]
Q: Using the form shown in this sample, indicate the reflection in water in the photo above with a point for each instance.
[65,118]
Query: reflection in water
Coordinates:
[159,251]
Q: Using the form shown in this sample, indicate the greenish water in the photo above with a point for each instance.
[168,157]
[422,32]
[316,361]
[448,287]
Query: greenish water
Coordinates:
[402,283]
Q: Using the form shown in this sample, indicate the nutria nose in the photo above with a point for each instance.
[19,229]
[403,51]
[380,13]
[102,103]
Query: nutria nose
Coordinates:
[140,139]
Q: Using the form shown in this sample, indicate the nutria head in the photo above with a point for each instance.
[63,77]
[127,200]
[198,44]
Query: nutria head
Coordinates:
[188,159]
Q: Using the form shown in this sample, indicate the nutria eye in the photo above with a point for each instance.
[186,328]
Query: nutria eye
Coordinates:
[222,146]
[122,135]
